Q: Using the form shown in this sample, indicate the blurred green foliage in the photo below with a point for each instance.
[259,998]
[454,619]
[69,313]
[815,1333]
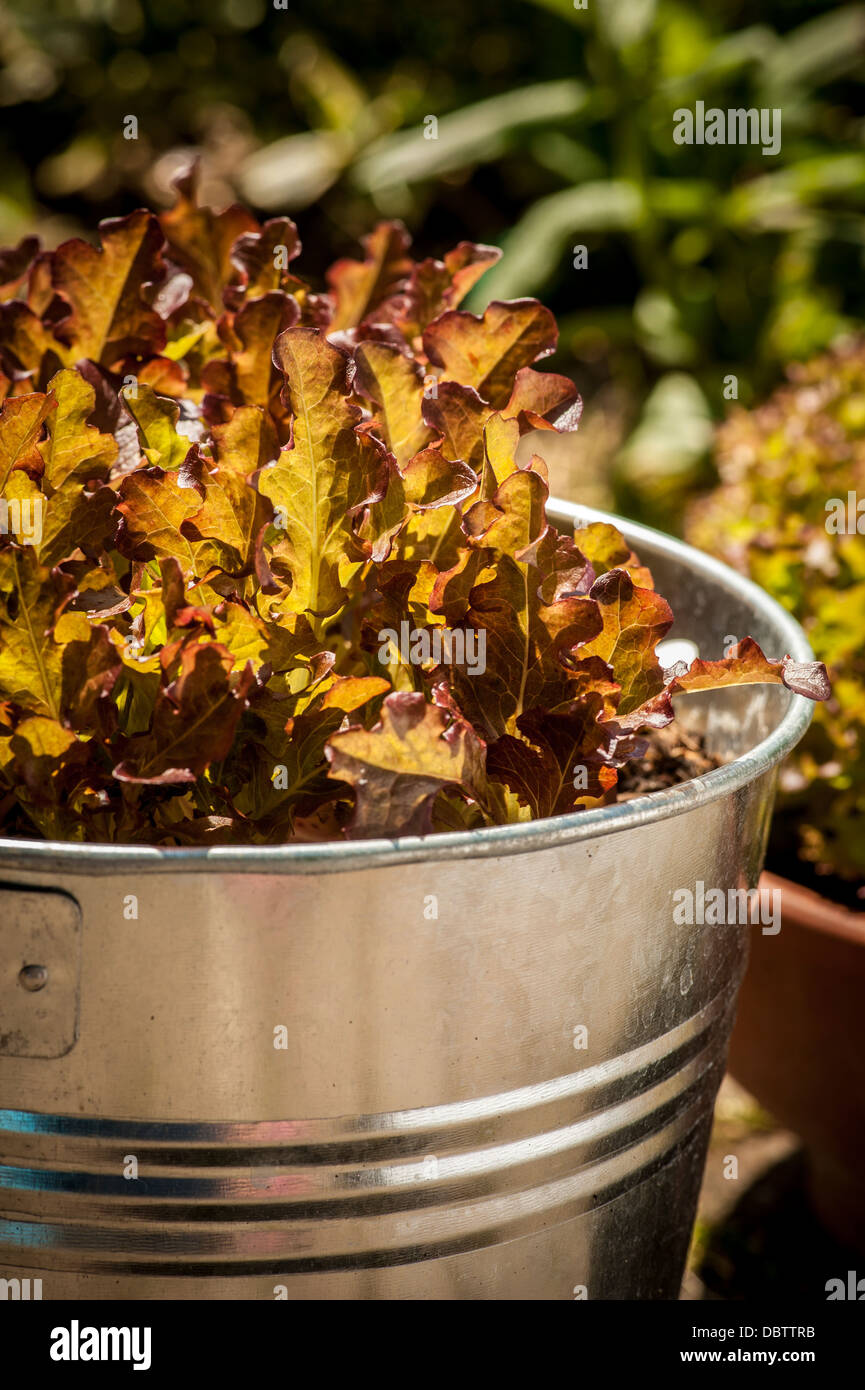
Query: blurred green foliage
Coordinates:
[553,129]
[790,513]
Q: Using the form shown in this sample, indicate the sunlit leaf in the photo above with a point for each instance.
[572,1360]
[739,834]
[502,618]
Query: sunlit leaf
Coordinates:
[398,768]
[109,315]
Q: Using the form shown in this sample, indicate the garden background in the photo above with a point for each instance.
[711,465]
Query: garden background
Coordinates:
[552,129]
[540,127]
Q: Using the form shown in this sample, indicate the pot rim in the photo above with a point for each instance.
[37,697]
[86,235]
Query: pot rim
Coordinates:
[546,833]
[813,913]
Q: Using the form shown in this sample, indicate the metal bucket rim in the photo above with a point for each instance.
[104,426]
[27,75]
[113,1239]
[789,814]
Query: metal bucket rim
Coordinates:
[546,833]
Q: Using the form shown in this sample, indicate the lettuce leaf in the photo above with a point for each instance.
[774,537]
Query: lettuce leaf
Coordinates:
[273,563]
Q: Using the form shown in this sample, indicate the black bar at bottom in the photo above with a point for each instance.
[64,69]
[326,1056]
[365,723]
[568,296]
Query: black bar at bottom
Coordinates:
[81,1339]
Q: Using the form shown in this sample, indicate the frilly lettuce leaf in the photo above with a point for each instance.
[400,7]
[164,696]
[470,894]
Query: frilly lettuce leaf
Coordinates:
[293,575]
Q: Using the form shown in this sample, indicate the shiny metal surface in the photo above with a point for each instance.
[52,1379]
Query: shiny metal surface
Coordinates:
[293,1079]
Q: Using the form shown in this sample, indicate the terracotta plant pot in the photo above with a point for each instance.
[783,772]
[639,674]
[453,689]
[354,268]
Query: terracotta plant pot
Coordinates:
[799,1044]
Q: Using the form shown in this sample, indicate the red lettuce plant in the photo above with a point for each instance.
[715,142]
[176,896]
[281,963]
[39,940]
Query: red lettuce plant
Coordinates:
[269,566]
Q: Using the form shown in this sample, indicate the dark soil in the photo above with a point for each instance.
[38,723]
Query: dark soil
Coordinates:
[672,757]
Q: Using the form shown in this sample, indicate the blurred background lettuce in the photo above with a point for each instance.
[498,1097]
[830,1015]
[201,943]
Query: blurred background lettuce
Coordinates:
[552,130]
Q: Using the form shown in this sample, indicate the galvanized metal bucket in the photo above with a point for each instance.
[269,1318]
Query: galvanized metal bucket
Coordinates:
[476,1066]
